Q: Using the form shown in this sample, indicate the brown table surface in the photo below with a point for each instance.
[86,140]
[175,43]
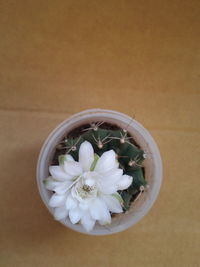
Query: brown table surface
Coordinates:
[138,57]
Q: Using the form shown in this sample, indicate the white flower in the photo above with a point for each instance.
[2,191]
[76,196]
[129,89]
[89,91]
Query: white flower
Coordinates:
[86,190]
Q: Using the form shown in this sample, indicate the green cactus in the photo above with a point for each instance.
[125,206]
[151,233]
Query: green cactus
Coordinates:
[104,137]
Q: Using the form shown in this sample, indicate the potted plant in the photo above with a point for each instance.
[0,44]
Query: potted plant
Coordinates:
[99,172]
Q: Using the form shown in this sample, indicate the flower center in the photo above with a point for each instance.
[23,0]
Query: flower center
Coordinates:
[86,187]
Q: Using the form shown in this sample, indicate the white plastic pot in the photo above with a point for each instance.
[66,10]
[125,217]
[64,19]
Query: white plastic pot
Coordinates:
[152,165]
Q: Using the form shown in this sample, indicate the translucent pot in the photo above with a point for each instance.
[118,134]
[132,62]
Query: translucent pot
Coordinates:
[152,165]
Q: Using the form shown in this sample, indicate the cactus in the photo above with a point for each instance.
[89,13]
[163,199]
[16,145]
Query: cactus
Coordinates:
[104,137]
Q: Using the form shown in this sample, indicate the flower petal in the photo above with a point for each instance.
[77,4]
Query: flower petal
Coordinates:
[108,184]
[106,162]
[103,222]
[112,203]
[60,213]
[72,168]
[50,183]
[58,173]
[71,202]
[99,211]
[75,215]
[111,177]
[68,157]
[87,221]
[62,188]
[103,188]
[125,182]
[86,155]
[83,205]
[57,200]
